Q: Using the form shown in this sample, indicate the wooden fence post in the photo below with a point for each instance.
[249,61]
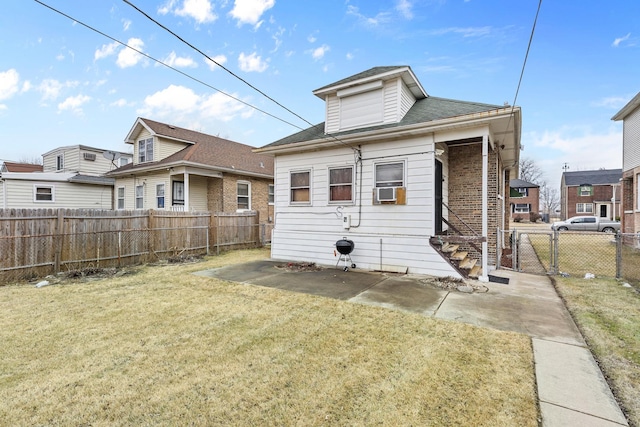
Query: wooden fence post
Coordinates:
[58,239]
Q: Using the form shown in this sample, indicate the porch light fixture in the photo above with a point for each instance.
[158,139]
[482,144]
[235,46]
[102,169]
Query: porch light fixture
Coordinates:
[439,152]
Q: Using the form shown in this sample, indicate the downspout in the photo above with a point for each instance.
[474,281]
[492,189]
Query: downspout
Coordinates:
[485,203]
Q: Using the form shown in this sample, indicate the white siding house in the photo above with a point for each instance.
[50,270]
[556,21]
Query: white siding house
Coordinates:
[381,172]
[630,116]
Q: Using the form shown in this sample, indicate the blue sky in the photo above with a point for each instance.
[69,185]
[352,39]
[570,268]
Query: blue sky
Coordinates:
[63,84]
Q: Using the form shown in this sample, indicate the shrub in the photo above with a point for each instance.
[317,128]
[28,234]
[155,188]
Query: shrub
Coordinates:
[534,216]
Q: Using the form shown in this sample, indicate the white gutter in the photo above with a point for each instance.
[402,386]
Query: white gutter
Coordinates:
[485,208]
[469,120]
[159,168]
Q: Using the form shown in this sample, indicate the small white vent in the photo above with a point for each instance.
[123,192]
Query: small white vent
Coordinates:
[386,194]
[89,156]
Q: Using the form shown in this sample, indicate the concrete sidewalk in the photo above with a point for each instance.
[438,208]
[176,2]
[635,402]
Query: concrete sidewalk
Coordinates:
[571,387]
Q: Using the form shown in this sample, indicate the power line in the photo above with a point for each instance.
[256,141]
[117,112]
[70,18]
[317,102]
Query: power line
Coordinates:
[167,65]
[149,17]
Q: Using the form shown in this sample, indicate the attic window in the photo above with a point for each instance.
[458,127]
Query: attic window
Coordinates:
[145,150]
[89,156]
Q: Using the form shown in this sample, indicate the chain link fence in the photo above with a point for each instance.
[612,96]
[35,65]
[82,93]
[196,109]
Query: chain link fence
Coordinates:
[572,253]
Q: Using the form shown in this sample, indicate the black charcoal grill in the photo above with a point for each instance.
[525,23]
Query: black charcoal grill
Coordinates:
[345,246]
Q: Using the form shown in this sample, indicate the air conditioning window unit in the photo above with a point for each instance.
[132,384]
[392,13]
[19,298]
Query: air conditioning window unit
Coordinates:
[387,194]
[89,156]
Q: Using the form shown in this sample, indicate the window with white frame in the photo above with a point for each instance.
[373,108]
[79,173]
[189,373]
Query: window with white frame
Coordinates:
[160,196]
[123,161]
[139,196]
[60,162]
[300,184]
[389,174]
[585,190]
[43,193]
[584,208]
[524,191]
[120,198]
[145,150]
[341,184]
[272,192]
[244,194]
[177,193]
[521,208]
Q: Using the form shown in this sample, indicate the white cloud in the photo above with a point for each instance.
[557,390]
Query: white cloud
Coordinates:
[369,21]
[465,32]
[319,52]
[9,81]
[250,11]
[277,37]
[106,50]
[349,56]
[128,57]
[74,103]
[126,24]
[219,59]
[119,103]
[183,105]
[612,102]
[251,62]
[50,89]
[200,10]
[580,148]
[311,38]
[404,7]
[176,61]
[221,107]
[619,40]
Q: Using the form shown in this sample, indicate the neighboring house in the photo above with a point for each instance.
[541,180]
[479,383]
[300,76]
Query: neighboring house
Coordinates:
[390,169]
[19,167]
[181,169]
[70,177]
[525,198]
[595,193]
[630,116]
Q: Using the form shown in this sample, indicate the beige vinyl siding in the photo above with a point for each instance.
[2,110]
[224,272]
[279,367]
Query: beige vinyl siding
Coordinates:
[631,138]
[74,161]
[144,134]
[20,194]
[198,193]
[362,109]
[166,147]
[404,230]
[129,192]
[49,162]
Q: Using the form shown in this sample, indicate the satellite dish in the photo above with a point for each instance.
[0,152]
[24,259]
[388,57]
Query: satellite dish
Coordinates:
[111,155]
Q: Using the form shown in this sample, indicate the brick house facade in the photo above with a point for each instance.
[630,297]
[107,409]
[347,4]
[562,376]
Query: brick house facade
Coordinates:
[524,199]
[592,193]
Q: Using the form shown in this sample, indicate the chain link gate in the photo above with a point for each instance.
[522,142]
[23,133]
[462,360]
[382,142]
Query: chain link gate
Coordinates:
[534,252]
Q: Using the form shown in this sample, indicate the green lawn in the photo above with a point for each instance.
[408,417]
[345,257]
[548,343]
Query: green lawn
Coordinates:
[161,346]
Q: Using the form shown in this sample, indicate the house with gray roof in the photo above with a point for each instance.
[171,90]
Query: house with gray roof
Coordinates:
[630,117]
[418,183]
[180,169]
[525,199]
[593,192]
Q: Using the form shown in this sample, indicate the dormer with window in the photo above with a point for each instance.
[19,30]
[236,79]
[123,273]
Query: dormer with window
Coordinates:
[381,95]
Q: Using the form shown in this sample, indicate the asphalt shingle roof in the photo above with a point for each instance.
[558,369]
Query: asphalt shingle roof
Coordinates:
[363,75]
[597,177]
[424,110]
[209,151]
[22,167]
[520,183]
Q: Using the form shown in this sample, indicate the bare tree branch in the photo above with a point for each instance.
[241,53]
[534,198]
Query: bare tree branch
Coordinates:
[530,171]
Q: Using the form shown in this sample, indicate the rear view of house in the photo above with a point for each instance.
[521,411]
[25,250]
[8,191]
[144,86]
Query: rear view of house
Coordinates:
[420,184]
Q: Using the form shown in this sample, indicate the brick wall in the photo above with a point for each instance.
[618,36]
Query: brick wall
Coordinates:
[629,217]
[223,195]
[465,194]
[601,193]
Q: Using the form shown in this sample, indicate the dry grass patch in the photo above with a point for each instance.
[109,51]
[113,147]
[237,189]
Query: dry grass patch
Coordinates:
[166,347]
[608,315]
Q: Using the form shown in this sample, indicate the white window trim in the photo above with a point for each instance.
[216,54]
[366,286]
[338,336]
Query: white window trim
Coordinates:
[60,162]
[404,171]
[515,208]
[53,193]
[135,196]
[271,191]
[584,205]
[123,198]
[164,196]
[308,203]
[353,188]
[146,150]
[588,188]
[248,184]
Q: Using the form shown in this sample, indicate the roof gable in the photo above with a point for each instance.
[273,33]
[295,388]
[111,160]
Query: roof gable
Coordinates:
[21,167]
[628,109]
[594,177]
[520,183]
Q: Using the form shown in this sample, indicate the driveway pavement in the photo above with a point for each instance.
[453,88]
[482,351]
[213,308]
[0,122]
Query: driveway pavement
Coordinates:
[571,387]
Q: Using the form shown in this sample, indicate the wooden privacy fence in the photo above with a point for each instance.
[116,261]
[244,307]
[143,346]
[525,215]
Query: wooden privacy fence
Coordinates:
[38,242]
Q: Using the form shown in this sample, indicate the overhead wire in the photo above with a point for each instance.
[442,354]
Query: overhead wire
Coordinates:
[168,66]
[315,126]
